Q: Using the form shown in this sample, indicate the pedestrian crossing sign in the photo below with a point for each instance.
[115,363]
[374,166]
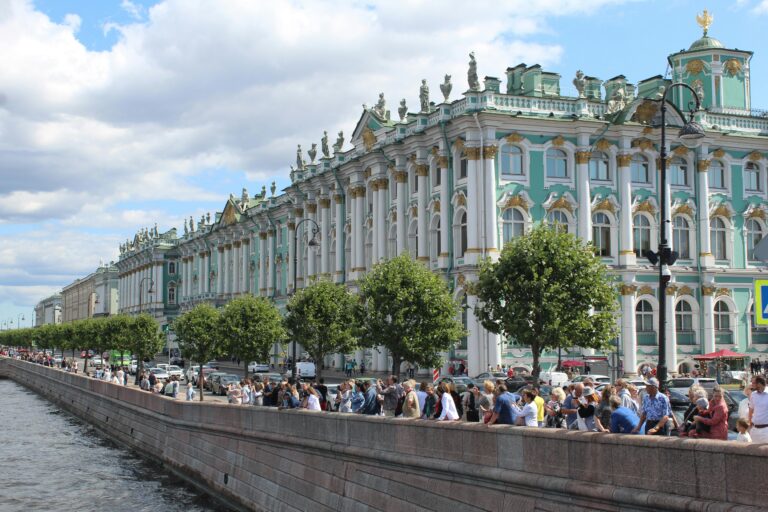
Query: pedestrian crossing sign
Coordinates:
[761,302]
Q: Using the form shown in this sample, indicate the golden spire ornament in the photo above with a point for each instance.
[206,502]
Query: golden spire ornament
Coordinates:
[704,20]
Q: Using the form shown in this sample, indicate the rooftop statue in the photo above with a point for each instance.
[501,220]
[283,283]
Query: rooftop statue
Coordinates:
[381,106]
[705,20]
[474,83]
[244,198]
[312,153]
[339,142]
[617,102]
[579,83]
[207,218]
[324,143]
[424,96]
[402,110]
[299,158]
[272,188]
[446,87]
[191,224]
[186,230]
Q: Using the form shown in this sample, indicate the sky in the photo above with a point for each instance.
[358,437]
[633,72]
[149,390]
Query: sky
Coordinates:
[117,114]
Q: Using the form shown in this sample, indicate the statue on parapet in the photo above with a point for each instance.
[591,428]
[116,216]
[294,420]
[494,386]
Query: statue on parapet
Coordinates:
[339,142]
[424,96]
[474,83]
[299,158]
[402,110]
[617,102]
[579,82]
[381,106]
[446,87]
[312,153]
[324,144]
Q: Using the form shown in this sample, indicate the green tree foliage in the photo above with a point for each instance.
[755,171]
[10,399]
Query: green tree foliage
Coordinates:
[547,290]
[321,319]
[249,327]
[409,310]
[197,332]
[142,335]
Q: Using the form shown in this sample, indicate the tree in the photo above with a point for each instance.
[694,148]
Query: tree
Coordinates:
[197,334]
[141,334]
[250,326]
[321,318]
[547,290]
[409,310]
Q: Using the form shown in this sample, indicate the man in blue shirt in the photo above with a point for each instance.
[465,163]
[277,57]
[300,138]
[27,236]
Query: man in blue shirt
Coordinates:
[571,405]
[371,406]
[623,419]
[656,411]
[503,413]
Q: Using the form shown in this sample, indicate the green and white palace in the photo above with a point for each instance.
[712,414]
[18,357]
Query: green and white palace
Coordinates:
[453,181]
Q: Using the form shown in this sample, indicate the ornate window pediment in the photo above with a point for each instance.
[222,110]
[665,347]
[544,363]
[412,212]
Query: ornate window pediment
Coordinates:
[605,203]
[563,201]
[520,200]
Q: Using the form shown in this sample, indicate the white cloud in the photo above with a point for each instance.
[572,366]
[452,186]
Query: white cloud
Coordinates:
[761,7]
[188,89]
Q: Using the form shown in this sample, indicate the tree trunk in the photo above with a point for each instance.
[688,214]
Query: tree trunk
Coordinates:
[318,368]
[200,381]
[396,362]
[245,373]
[536,353]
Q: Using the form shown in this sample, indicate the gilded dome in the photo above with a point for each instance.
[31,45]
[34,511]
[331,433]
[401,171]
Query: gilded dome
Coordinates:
[705,43]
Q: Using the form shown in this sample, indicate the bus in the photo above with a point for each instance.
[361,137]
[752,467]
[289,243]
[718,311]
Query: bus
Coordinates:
[119,358]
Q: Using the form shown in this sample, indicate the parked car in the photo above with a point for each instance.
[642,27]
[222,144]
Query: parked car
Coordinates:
[492,376]
[255,367]
[558,379]
[460,383]
[305,370]
[159,373]
[207,370]
[133,367]
[209,378]
[220,382]
[174,370]
[273,377]
[681,384]
[602,379]
[213,364]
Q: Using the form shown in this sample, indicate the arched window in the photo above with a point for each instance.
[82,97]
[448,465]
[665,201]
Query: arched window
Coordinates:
[557,164]
[413,239]
[601,234]
[681,237]
[436,176]
[722,316]
[460,234]
[368,250]
[171,295]
[683,317]
[598,167]
[640,169]
[513,224]
[172,268]
[717,232]
[716,174]
[644,317]
[392,242]
[678,172]
[434,239]
[641,234]
[559,220]
[754,235]
[752,178]
[347,254]
[511,161]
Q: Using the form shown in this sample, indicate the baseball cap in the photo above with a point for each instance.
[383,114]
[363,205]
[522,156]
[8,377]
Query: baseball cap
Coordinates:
[653,381]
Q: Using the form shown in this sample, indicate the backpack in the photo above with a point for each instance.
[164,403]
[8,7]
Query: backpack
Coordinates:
[472,413]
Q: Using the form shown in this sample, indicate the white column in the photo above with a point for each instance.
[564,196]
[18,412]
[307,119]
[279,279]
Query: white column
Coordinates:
[340,235]
[271,263]
[357,230]
[475,363]
[473,224]
[491,243]
[445,208]
[205,266]
[706,258]
[671,344]
[627,254]
[220,270]
[381,220]
[325,230]
[373,186]
[628,329]
[401,178]
[159,285]
[247,264]
[309,226]
[707,310]
[185,279]
[291,254]
[263,263]
[236,266]
[422,170]
[583,196]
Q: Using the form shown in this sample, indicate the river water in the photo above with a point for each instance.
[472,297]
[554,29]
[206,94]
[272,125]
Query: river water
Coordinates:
[52,461]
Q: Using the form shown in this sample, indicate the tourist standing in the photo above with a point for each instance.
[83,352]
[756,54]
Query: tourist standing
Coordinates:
[448,410]
[503,413]
[410,401]
[623,419]
[758,410]
[655,411]
[190,392]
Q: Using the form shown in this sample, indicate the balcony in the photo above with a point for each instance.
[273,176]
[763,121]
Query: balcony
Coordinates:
[647,339]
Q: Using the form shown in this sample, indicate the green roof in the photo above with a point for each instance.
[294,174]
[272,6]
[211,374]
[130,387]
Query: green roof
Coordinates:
[705,43]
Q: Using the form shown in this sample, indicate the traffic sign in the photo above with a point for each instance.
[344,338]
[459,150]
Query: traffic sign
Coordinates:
[436,371]
[761,301]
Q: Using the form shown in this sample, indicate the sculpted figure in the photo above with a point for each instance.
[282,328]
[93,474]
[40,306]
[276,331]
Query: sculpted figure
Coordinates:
[381,106]
[474,84]
[424,96]
[312,153]
[617,101]
[324,144]
[579,83]
[446,87]
[402,110]
[299,158]
[339,142]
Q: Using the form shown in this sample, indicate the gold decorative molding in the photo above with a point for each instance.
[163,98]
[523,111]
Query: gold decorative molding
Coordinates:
[756,213]
[645,206]
[605,205]
[694,66]
[627,289]
[459,144]
[436,206]
[262,236]
[367,173]
[723,292]
[412,157]
[732,67]
[624,160]
[299,212]
[684,209]
[582,157]
[517,201]
[646,111]
[414,212]
[603,145]
[394,216]
[646,290]
[291,226]
[461,200]
[461,279]
[383,183]
[338,198]
[685,290]
[369,138]
[561,203]
[755,156]
[644,144]
[719,153]
[558,141]
[442,162]
[472,153]
[325,202]
[513,138]
[681,151]
[671,290]
[647,130]
[312,208]
[422,170]
[489,152]
[707,290]
[658,162]
[703,165]
[434,150]
[721,211]
[401,176]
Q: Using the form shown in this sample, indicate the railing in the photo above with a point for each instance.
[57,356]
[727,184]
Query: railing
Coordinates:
[647,338]
[759,337]
[686,337]
[724,338]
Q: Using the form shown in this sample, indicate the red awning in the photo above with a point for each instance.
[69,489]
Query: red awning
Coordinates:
[571,363]
[721,354]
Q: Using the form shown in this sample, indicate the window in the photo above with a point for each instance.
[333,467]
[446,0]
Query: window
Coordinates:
[513,224]
[392,242]
[644,316]
[511,161]
[716,175]
[640,169]
[717,235]
[683,317]
[436,176]
[460,234]
[752,178]
[681,237]
[722,316]
[598,167]
[347,253]
[559,220]
[413,239]
[415,183]
[434,239]
[557,164]
[678,172]
[754,235]
[171,295]
[463,167]
[172,268]
[641,234]
[601,234]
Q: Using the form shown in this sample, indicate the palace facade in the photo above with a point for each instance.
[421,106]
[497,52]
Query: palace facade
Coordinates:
[454,181]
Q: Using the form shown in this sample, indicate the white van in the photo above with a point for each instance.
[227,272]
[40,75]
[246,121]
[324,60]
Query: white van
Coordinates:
[555,379]
[305,370]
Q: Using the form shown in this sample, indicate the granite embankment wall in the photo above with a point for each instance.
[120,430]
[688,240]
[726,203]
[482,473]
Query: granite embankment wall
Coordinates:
[264,459]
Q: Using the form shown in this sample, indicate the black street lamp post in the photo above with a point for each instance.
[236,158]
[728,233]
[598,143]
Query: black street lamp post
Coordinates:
[689,135]
[312,243]
[140,361]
